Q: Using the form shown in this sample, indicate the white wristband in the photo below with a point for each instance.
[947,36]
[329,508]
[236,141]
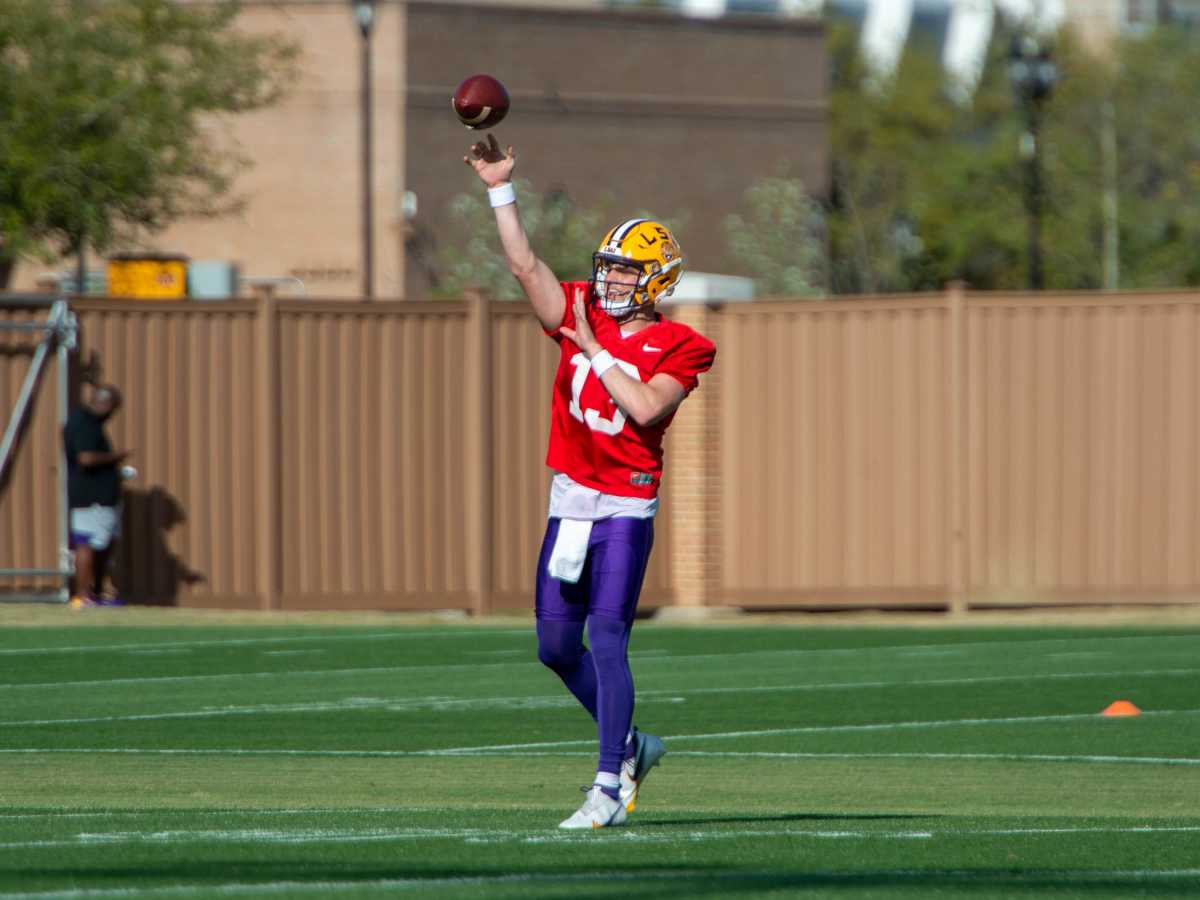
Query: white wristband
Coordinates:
[502,195]
[602,362]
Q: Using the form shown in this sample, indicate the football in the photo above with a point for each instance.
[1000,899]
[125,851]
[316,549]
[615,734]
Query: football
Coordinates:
[480,102]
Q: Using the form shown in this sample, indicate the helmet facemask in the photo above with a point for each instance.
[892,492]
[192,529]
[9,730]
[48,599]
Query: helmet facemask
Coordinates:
[623,295]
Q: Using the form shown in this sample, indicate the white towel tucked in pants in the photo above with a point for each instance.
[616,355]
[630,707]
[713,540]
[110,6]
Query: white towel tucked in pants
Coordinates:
[570,550]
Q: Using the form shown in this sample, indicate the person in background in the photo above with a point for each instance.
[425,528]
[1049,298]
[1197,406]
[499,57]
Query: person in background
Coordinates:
[93,493]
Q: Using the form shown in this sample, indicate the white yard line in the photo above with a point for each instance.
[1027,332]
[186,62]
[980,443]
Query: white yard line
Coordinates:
[543,745]
[696,832]
[825,729]
[233,642]
[1004,757]
[353,704]
[664,691]
[222,813]
[281,673]
[928,723]
[223,751]
[1082,829]
[263,836]
[916,649]
[912,649]
[923,682]
[408,703]
[393,635]
[643,658]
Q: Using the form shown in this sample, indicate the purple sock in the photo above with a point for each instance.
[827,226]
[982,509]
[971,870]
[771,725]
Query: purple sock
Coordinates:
[560,648]
[609,639]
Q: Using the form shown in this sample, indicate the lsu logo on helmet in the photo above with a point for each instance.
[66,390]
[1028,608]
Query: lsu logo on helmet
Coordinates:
[648,248]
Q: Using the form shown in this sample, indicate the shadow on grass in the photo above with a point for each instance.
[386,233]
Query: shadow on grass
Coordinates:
[582,882]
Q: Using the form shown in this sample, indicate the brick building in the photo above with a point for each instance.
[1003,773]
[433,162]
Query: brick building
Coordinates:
[640,109]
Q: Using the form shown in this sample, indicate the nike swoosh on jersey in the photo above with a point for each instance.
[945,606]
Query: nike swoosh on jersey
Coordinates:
[647,348]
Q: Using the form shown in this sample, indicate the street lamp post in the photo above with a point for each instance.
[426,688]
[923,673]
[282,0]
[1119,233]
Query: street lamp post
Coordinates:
[364,15]
[1033,75]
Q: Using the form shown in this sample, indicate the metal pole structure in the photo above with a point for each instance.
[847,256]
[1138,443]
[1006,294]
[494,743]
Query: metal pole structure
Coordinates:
[31,379]
[81,268]
[1037,279]
[364,12]
[59,329]
[1112,233]
[1033,74]
[66,344]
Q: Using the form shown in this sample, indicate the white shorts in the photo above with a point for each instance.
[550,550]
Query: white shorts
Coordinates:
[96,525]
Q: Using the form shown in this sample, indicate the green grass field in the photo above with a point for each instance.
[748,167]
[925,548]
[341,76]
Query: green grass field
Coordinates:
[436,761]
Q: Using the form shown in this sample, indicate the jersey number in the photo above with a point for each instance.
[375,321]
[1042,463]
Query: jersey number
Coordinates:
[592,417]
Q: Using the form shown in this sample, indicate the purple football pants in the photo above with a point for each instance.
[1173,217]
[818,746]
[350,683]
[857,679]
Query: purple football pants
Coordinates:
[604,599]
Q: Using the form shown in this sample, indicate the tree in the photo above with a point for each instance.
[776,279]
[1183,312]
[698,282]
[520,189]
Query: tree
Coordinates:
[1158,157]
[562,234]
[779,238]
[926,191]
[110,115]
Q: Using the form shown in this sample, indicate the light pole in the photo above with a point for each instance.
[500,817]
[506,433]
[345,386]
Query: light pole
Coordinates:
[364,14]
[1033,76]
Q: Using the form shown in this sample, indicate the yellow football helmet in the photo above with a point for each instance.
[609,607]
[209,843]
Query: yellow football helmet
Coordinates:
[645,246]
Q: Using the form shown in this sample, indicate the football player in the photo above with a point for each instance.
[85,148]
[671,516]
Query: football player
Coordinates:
[622,372]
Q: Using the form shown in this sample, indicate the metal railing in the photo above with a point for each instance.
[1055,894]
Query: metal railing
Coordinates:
[59,332]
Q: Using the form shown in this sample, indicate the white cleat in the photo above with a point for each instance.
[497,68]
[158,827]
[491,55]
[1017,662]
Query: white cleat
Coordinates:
[648,750]
[598,811]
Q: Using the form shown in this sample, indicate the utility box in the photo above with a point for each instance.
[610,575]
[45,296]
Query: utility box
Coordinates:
[700,287]
[148,276]
[213,279]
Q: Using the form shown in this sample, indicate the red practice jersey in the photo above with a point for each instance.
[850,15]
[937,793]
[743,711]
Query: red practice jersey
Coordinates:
[591,439]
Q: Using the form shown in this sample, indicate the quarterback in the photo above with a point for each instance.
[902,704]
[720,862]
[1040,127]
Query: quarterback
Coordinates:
[622,372]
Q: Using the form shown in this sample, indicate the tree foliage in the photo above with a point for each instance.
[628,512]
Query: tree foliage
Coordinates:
[924,189]
[563,234]
[927,191]
[1153,87]
[111,116]
[779,238]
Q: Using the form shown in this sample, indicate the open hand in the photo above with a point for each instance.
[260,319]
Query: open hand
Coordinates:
[582,334]
[493,165]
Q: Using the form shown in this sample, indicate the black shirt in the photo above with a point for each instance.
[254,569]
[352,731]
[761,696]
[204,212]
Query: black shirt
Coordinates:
[84,432]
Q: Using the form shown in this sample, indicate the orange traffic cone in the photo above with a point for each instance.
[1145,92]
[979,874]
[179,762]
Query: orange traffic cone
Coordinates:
[1121,708]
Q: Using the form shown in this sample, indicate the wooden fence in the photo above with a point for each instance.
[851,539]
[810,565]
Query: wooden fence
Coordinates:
[950,450]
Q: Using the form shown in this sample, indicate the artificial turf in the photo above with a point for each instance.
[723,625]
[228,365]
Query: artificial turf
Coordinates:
[437,761]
